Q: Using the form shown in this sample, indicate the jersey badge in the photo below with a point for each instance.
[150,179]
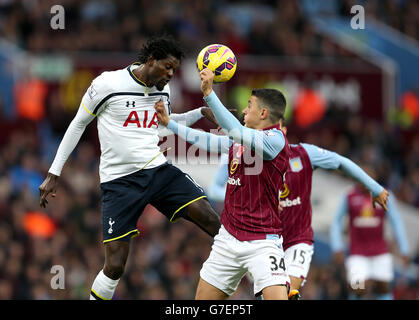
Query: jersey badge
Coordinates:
[296,164]
[92,92]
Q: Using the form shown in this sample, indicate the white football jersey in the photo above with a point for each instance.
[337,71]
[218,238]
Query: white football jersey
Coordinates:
[127,124]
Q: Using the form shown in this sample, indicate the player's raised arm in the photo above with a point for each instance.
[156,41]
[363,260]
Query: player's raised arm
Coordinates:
[263,111]
[203,140]
[229,120]
[326,159]
[189,118]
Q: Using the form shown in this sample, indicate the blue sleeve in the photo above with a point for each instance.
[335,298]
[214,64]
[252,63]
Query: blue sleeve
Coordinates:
[322,158]
[336,242]
[201,139]
[397,225]
[266,144]
[217,189]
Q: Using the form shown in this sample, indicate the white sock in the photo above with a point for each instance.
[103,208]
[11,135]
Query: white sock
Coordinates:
[103,287]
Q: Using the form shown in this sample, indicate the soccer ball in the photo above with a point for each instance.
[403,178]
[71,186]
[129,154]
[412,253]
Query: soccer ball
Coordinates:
[219,59]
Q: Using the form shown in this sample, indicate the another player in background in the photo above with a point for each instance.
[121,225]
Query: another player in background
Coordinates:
[296,213]
[133,171]
[369,265]
[250,238]
[217,190]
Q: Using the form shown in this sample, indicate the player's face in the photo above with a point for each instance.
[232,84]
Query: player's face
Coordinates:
[162,71]
[252,113]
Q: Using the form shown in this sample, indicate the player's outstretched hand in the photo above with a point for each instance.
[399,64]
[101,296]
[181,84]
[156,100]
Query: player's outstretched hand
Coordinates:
[48,186]
[162,113]
[207,79]
[381,199]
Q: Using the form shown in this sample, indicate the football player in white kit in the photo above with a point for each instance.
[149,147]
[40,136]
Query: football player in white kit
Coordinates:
[133,171]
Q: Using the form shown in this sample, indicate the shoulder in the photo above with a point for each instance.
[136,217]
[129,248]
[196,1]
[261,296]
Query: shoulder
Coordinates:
[273,133]
[311,148]
[110,81]
[274,138]
[318,153]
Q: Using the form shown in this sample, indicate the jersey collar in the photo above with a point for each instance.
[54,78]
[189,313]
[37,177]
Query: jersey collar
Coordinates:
[275,126]
[133,75]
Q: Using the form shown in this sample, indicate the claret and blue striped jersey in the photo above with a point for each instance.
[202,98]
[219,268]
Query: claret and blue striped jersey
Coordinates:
[258,161]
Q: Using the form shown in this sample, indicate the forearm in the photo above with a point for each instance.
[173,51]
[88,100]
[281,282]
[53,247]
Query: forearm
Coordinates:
[188,119]
[353,170]
[225,118]
[203,140]
[251,138]
[336,242]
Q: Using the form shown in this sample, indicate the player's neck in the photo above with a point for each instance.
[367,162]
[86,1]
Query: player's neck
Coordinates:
[141,75]
[264,124]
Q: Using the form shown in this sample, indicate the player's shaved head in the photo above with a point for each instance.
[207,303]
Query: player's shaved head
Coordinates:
[160,48]
[273,100]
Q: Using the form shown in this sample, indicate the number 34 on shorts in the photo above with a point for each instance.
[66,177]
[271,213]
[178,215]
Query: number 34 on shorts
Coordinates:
[275,264]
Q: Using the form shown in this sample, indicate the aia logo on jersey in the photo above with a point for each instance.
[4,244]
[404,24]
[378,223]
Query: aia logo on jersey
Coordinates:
[142,119]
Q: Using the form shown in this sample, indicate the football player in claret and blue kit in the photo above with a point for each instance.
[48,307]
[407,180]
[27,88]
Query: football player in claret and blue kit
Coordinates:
[250,238]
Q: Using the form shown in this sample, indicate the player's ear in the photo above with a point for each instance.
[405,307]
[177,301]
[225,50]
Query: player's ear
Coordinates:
[264,114]
[150,61]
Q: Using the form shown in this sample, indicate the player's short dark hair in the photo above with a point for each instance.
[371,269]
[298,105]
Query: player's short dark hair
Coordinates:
[161,47]
[272,99]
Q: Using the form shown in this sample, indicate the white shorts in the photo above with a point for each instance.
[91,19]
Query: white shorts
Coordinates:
[298,259]
[230,259]
[361,268]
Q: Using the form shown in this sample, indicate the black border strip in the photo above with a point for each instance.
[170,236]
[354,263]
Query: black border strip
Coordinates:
[126,94]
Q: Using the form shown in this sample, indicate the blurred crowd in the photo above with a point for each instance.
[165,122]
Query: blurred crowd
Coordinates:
[165,258]
[270,27]
[402,15]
